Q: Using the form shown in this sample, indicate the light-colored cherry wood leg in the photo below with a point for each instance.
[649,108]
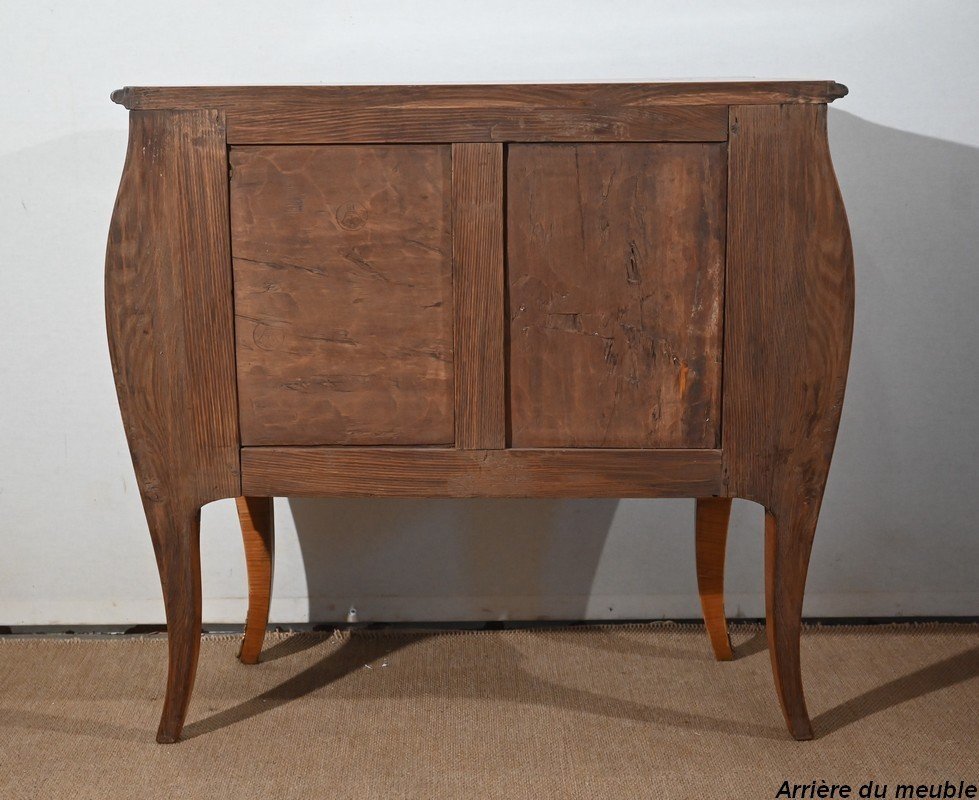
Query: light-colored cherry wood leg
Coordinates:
[713,514]
[175,531]
[788,543]
[258,533]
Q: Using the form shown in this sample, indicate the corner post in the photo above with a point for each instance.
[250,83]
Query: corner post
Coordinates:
[168,305]
[788,324]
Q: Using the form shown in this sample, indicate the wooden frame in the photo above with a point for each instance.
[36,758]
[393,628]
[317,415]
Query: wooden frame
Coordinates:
[477,244]
[434,472]
[787,323]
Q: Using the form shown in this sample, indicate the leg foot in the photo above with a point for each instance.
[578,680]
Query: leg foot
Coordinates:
[788,542]
[711,540]
[258,533]
[176,540]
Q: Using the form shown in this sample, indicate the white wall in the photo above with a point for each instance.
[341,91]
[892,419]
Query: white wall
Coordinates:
[899,527]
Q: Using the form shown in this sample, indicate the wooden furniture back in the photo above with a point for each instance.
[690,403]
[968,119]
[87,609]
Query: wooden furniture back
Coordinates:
[625,290]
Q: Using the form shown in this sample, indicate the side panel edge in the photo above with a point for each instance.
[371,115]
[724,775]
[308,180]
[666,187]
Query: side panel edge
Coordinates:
[168,301]
[788,306]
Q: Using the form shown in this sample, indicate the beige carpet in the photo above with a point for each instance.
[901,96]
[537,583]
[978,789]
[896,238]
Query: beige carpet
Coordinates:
[614,712]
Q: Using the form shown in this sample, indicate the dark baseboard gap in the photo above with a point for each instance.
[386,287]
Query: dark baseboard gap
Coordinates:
[492,625]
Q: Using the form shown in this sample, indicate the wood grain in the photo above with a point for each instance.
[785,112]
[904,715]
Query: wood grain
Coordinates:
[168,310]
[343,294]
[788,326]
[255,514]
[274,100]
[649,112]
[435,472]
[712,517]
[477,236]
[471,124]
[615,273]
[169,322]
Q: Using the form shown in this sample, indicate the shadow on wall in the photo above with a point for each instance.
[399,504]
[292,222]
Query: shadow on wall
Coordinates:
[900,509]
[452,559]
[901,506]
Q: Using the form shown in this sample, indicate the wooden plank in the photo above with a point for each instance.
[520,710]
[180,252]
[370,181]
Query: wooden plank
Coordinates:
[290,99]
[168,308]
[465,124]
[436,472]
[477,236]
[615,268]
[789,322]
[343,294]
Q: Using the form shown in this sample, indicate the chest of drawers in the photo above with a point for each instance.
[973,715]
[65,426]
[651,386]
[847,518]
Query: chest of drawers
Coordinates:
[626,290]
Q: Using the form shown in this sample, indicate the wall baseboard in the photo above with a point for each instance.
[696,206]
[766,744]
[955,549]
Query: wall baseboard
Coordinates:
[111,631]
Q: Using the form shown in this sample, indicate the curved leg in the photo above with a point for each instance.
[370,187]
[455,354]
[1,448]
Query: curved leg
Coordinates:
[175,530]
[258,532]
[788,324]
[788,543]
[170,322]
[711,539]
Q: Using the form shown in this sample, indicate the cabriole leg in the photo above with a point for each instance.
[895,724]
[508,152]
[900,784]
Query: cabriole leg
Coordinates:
[258,532]
[711,540]
[175,530]
[788,543]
